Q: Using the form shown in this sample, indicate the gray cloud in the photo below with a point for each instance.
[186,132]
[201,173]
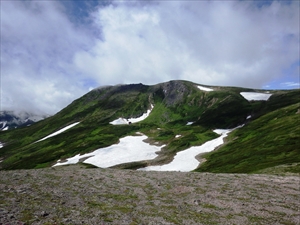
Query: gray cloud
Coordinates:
[48,60]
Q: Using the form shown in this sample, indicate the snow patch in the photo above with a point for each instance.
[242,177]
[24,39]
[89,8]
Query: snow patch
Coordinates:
[178,136]
[204,88]
[120,121]
[254,96]
[58,132]
[185,161]
[129,149]
[248,117]
[189,123]
[3,124]
[5,128]
[1,145]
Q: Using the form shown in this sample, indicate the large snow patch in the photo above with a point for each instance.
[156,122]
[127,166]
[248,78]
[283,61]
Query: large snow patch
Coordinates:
[185,161]
[129,149]
[254,96]
[120,121]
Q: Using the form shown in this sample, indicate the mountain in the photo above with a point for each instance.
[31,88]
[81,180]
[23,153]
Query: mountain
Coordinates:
[136,126]
[12,120]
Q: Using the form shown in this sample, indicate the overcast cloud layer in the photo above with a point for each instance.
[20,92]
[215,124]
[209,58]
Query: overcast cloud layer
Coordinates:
[52,54]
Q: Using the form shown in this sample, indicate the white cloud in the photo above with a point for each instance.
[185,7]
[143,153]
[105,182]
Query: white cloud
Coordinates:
[37,46]
[225,43]
[291,84]
[47,61]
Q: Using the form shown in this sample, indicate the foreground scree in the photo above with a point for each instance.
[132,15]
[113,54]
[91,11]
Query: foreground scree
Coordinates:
[77,195]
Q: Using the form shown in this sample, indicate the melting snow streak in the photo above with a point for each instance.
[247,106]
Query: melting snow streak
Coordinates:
[59,131]
[120,121]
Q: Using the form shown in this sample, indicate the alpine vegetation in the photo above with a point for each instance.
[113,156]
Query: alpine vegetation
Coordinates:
[172,126]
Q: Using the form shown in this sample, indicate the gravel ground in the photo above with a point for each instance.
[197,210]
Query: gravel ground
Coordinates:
[77,195]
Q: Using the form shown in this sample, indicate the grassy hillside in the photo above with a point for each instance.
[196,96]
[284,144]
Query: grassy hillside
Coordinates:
[269,141]
[175,104]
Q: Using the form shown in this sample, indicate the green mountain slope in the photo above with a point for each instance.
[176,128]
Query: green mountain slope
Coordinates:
[269,141]
[175,103]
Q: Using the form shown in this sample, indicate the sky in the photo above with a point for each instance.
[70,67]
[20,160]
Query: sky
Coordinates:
[53,52]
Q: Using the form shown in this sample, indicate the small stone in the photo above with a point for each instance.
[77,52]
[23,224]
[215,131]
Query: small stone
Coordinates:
[67,220]
[196,202]
[11,216]
[44,214]
[3,211]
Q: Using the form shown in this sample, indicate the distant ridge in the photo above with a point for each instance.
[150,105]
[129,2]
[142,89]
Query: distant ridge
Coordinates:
[12,119]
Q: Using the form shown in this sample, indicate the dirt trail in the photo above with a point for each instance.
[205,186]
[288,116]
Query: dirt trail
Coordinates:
[76,195]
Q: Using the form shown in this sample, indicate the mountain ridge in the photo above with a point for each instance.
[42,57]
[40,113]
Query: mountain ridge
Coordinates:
[15,119]
[175,104]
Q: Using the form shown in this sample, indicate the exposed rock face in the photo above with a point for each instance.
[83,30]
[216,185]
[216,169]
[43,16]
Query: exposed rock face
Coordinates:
[174,92]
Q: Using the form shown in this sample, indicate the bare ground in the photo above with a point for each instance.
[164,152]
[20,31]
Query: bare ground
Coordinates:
[77,195]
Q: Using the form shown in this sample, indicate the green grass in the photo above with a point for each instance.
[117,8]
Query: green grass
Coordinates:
[175,104]
[269,141]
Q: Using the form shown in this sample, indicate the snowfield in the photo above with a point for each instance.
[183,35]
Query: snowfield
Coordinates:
[58,132]
[121,121]
[254,96]
[129,149]
[185,161]
[133,148]
[1,145]
[204,88]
